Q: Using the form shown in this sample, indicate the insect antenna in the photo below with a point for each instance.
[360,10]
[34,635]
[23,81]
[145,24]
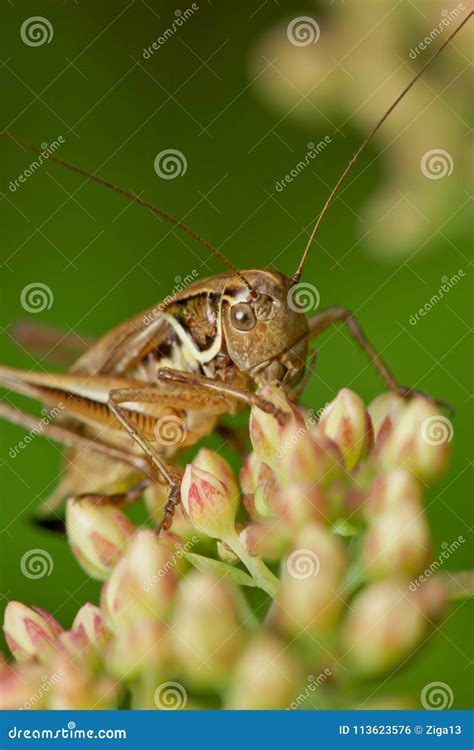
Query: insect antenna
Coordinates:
[297,275]
[135,199]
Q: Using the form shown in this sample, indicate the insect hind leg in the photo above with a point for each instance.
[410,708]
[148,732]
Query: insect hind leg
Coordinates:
[319,322]
[323,320]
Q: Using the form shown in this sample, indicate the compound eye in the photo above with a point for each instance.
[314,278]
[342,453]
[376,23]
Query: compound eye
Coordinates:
[242,317]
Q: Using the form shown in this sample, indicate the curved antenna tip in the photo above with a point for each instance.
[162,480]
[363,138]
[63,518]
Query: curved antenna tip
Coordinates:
[297,275]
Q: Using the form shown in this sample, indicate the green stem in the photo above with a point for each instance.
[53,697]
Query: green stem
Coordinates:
[143,690]
[264,578]
[460,584]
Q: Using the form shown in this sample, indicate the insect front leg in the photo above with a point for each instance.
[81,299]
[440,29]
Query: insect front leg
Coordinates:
[325,319]
[231,393]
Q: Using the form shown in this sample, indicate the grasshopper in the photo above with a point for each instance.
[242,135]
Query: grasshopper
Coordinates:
[162,380]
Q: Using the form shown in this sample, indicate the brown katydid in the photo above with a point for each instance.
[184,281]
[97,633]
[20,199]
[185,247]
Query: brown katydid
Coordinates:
[161,380]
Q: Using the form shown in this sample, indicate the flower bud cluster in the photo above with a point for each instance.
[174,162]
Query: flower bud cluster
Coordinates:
[302,570]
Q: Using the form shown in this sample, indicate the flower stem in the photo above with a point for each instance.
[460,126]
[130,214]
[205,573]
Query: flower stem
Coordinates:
[264,578]
[143,691]
[460,584]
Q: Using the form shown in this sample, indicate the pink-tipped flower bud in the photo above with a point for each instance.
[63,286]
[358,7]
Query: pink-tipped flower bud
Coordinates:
[208,503]
[182,527]
[346,421]
[257,481]
[391,491]
[398,539]
[212,462]
[22,686]
[308,457]
[90,624]
[156,497]
[433,597]
[30,633]
[268,676]
[419,441]
[299,503]
[143,584]
[79,689]
[311,596]
[249,473]
[265,493]
[205,632]
[98,534]
[142,648]
[384,410]
[384,625]
[265,429]
[257,488]
[398,536]
[265,539]
[74,645]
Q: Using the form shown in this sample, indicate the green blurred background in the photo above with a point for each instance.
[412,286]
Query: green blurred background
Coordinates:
[105,259]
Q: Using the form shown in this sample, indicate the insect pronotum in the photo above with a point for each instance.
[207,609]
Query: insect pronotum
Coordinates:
[161,380]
